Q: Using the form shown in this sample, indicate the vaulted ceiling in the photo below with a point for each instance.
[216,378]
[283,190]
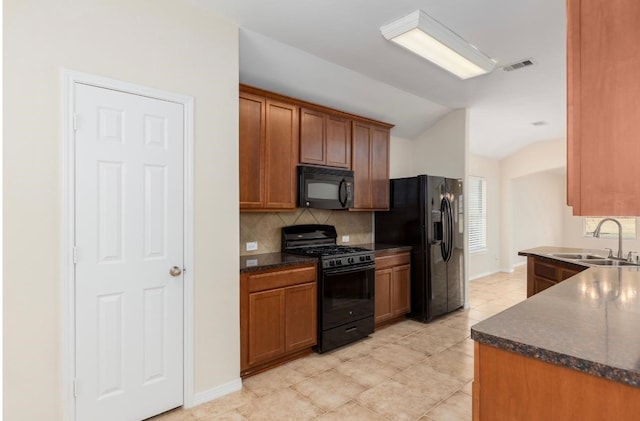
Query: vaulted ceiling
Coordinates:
[332,52]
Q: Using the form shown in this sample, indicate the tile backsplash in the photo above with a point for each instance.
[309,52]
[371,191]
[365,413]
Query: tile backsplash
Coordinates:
[265,227]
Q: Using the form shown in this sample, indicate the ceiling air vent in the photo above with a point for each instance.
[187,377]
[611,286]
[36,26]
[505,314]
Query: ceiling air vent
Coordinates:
[519,65]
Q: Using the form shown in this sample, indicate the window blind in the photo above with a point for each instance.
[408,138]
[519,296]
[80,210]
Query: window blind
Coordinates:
[477,213]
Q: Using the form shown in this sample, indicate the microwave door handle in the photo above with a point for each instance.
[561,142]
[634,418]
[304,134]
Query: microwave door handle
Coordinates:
[343,203]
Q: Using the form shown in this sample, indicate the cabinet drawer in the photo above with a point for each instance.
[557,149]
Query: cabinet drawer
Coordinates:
[545,271]
[540,284]
[393,260]
[566,273]
[281,278]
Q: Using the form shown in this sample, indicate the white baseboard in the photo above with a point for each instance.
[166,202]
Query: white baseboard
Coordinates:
[217,392]
[519,264]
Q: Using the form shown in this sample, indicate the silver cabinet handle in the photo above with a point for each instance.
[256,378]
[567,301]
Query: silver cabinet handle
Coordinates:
[175,271]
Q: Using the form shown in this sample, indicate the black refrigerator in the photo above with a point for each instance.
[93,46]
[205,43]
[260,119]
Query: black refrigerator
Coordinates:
[427,212]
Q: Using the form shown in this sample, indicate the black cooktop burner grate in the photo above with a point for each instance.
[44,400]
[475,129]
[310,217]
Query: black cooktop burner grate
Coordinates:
[329,250]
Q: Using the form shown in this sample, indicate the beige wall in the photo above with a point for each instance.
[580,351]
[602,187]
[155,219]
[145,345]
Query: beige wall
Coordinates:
[401,158]
[165,44]
[439,150]
[538,202]
[549,155]
[443,148]
[265,228]
[486,262]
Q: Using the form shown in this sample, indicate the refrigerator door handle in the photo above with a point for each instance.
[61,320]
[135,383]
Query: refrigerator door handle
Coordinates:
[448,229]
[446,222]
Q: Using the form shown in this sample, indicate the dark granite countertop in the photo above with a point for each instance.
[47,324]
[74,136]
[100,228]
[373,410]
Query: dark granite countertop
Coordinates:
[258,262]
[589,322]
[382,249]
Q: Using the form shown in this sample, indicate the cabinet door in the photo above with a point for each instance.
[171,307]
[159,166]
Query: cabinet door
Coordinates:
[540,284]
[312,137]
[566,273]
[383,295]
[338,142]
[281,155]
[252,115]
[379,168]
[360,165]
[300,317]
[400,292]
[603,107]
[370,164]
[266,325]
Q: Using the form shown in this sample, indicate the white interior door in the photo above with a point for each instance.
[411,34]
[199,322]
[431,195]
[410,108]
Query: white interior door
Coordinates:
[129,235]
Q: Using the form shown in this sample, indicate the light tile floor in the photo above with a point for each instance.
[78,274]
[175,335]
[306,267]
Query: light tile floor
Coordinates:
[407,371]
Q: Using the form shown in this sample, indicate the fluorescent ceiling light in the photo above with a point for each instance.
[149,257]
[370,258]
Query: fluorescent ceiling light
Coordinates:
[425,36]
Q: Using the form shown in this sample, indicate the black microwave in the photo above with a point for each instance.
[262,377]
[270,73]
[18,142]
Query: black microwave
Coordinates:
[324,188]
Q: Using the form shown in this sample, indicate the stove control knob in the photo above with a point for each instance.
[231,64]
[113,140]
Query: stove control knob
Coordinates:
[350,260]
[332,263]
[362,258]
[368,257]
[338,262]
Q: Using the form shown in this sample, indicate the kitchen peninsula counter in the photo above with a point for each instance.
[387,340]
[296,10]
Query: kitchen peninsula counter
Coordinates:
[548,252]
[576,344]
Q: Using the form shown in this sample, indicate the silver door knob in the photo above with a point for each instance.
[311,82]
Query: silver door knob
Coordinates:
[175,271]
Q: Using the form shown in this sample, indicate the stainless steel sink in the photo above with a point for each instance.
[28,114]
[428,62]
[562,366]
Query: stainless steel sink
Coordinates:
[577,256]
[608,262]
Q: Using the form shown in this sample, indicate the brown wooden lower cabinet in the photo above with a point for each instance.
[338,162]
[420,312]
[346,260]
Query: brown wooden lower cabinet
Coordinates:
[511,386]
[393,281]
[278,316]
[545,273]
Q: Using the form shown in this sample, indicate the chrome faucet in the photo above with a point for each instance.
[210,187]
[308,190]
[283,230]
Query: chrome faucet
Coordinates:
[596,233]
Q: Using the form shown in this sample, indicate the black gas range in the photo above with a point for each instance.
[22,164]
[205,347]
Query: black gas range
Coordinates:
[346,280]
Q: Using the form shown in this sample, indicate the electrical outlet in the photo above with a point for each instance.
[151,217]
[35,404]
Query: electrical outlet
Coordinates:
[345,238]
[252,246]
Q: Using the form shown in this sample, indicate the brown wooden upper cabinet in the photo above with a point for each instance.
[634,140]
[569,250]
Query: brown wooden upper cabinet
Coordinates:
[370,164]
[324,139]
[269,134]
[603,107]
[278,132]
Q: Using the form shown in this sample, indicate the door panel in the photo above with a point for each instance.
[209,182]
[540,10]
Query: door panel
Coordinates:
[266,325]
[455,266]
[380,168]
[252,132]
[360,164]
[338,142]
[281,155]
[301,316]
[383,295]
[438,280]
[129,233]
[437,265]
[312,137]
[401,290]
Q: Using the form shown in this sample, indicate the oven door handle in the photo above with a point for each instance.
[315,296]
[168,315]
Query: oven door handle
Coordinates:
[340,271]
